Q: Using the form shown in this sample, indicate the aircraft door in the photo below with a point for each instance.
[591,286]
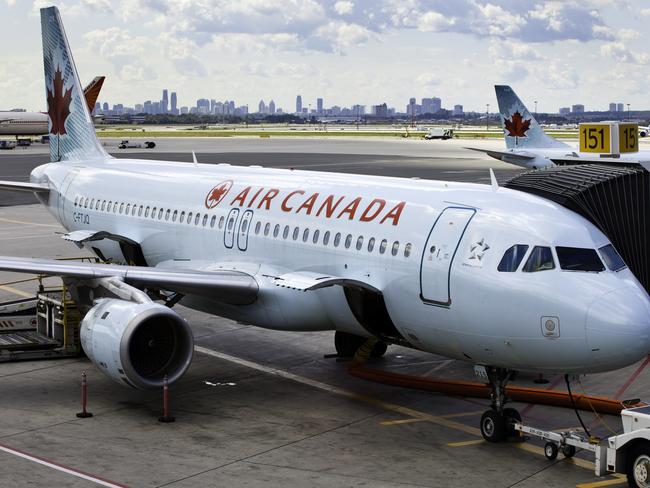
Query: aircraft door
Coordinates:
[244,228]
[231,225]
[439,253]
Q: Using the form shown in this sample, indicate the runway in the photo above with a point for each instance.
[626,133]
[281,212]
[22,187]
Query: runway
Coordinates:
[262,408]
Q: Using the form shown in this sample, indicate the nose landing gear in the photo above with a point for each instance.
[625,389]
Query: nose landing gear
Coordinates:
[497,424]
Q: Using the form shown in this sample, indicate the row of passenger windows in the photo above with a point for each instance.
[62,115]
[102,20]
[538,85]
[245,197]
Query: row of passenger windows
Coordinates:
[570,258]
[296,234]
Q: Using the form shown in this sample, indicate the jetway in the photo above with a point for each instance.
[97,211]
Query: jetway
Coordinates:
[614,197]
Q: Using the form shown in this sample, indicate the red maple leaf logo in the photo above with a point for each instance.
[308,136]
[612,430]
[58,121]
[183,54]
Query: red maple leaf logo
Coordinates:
[217,194]
[516,126]
[58,104]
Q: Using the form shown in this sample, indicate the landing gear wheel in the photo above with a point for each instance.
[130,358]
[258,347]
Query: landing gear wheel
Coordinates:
[493,426]
[568,451]
[346,345]
[511,417]
[638,468]
[550,451]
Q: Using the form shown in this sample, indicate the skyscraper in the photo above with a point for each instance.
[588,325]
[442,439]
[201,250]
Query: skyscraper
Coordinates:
[298,104]
[319,106]
[262,107]
[164,103]
[271,107]
[174,108]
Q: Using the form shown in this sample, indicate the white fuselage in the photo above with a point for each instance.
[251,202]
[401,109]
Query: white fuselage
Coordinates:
[444,295]
[23,124]
[544,156]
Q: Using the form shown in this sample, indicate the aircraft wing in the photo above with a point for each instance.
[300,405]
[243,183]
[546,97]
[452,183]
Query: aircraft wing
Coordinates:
[20,186]
[233,287]
[511,156]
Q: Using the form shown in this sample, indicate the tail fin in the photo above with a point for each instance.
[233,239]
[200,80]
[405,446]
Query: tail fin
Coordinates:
[520,128]
[91,92]
[72,134]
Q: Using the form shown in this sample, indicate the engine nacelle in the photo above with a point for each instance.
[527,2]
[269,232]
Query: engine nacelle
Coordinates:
[137,344]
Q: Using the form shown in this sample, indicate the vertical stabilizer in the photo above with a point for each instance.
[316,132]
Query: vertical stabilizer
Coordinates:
[72,134]
[520,129]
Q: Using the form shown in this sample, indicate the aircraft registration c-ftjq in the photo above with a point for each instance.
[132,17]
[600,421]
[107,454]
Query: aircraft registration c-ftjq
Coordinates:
[527,144]
[483,274]
[37,123]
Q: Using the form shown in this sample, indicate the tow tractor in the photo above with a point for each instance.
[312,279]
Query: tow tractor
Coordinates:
[125,144]
[627,453]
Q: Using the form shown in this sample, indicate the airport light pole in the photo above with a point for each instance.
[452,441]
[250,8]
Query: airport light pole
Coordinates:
[628,112]
[487,116]
[535,108]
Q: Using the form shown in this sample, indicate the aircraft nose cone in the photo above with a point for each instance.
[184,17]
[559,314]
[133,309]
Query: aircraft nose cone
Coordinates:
[618,328]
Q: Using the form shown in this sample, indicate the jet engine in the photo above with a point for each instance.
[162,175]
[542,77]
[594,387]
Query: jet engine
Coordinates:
[137,344]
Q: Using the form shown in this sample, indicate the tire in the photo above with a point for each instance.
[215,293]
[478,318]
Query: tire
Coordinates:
[346,345]
[568,451]
[550,451]
[638,466]
[511,416]
[493,426]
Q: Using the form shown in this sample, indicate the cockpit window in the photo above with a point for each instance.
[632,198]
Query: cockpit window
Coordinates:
[540,259]
[612,259]
[512,258]
[579,259]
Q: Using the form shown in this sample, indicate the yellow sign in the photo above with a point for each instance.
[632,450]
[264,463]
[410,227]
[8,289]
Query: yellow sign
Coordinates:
[628,137]
[595,138]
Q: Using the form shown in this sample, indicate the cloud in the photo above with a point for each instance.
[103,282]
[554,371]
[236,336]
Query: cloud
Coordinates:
[620,53]
[427,79]
[343,7]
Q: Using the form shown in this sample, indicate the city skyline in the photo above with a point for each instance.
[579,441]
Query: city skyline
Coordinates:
[349,52]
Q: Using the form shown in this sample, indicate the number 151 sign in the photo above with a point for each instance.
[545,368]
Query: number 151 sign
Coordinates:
[609,138]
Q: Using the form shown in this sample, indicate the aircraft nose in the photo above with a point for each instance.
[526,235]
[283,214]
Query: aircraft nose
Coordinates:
[618,327]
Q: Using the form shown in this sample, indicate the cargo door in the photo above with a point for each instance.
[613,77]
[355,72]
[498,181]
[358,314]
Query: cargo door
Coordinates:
[439,253]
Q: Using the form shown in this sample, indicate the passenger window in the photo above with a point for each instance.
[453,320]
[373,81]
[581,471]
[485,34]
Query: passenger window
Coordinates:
[115,207]
[371,244]
[305,235]
[221,221]
[267,229]
[407,250]
[153,212]
[382,246]
[205,221]
[213,221]
[160,213]
[337,239]
[133,210]
[326,238]
[86,202]
[103,205]
[348,241]
[128,208]
[92,203]
[140,211]
[276,230]
[285,232]
[181,219]
[540,259]
[612,259]
[316,235]
[359,243]
[167,214]
[174,215]
[197,217]
[296,231]
[512,258]
[258,226]
[110,206]
[579,259]
[395,249]
[76,200]
[97,205]
[189,218]
[146,213]
[231,223]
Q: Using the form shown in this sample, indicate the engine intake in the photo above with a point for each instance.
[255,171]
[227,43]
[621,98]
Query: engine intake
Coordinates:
[137,343]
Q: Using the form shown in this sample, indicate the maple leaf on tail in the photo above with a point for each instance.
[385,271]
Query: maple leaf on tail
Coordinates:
[516,126]
[58,104]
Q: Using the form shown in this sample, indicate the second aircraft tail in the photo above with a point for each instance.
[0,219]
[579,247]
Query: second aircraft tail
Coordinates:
[520,129]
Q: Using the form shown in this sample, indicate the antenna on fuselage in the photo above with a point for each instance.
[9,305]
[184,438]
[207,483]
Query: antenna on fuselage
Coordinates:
[493,181]
[194,160]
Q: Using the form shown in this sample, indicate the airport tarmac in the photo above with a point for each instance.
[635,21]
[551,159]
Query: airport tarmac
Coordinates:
[265,408]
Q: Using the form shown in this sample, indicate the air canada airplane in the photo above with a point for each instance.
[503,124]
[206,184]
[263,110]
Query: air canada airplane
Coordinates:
[495,277]
[36,123]
[527,144]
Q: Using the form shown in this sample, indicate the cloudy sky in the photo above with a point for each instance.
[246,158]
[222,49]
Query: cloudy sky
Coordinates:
[346,51]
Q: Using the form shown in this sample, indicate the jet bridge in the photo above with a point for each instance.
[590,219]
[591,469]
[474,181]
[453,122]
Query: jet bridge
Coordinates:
[615,198]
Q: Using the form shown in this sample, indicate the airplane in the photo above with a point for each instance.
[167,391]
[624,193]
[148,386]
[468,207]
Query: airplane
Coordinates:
[644,130]
[528,146]
[502,279]
[36,123]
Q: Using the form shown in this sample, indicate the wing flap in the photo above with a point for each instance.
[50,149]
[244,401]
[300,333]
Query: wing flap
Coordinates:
[523,157]
[233,287]
[308,281]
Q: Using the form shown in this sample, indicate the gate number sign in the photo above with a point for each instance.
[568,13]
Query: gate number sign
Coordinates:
[609,138]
